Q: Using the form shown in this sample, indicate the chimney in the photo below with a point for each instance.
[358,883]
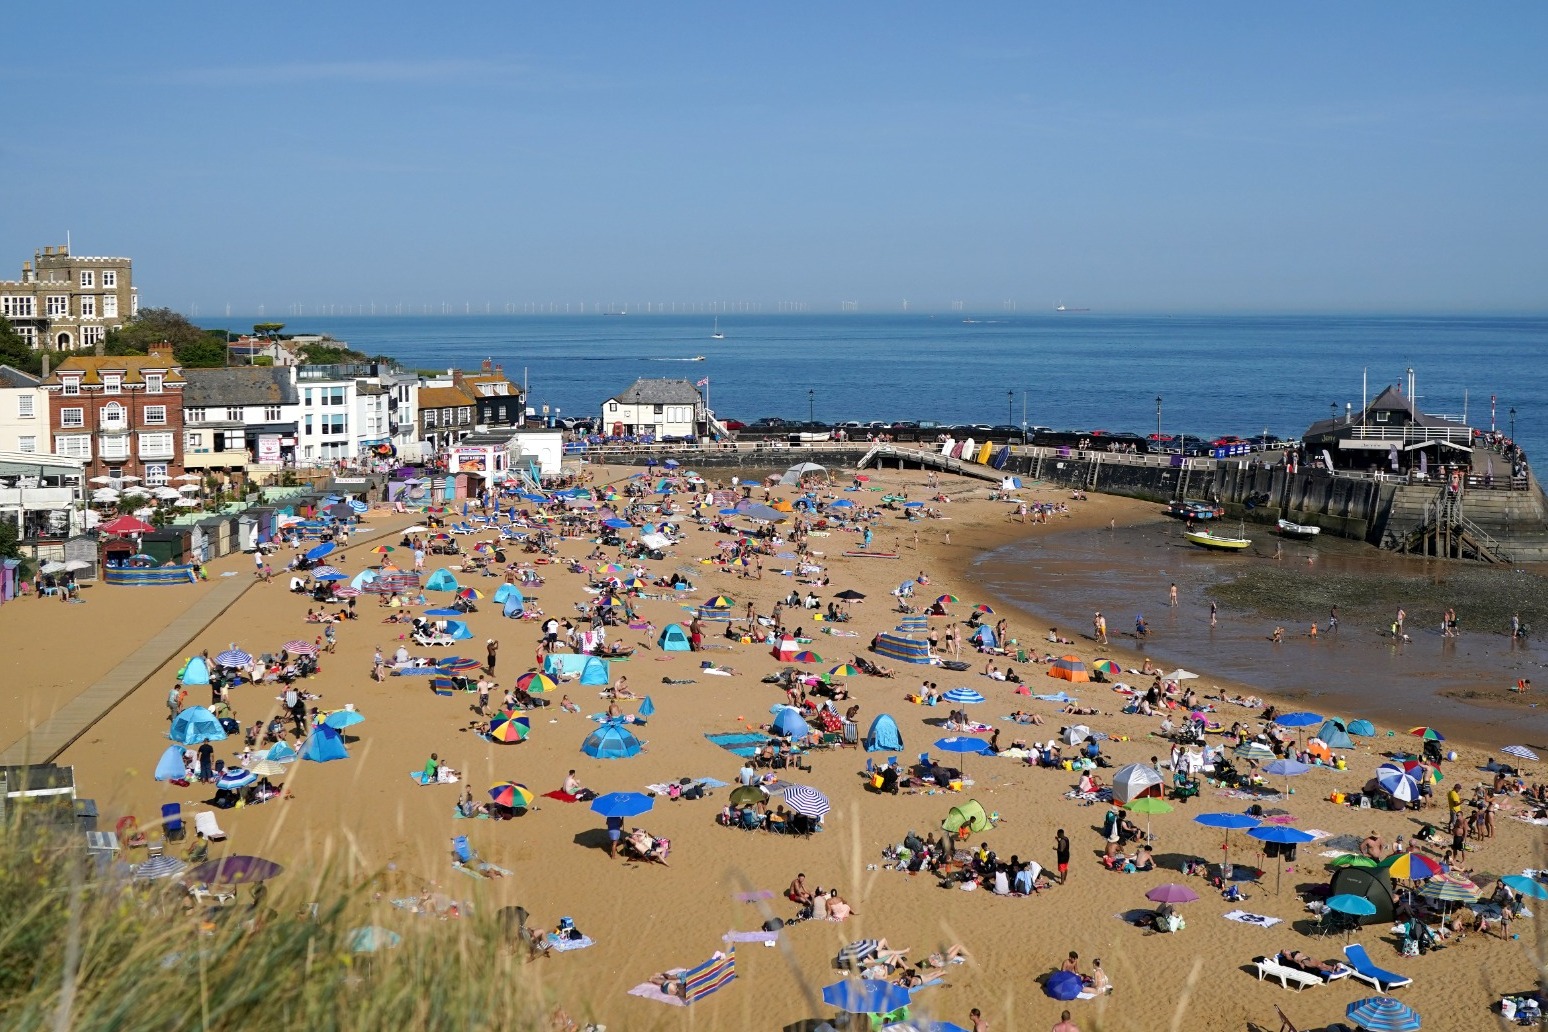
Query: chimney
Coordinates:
[499,370]
[162,350]
[488,366]
[49,251]
[45,363]
[26,272]
[456,378]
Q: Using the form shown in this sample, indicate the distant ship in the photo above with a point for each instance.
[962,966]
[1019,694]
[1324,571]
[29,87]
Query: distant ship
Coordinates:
[1062,308]
[717,335]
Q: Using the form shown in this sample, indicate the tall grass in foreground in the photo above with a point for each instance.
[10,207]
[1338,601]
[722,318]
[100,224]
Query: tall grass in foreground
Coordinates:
[84,953]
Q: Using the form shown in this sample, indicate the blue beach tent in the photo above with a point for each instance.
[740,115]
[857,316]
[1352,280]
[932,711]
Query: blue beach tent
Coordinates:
[458,630]
[194,725]
[505,591]
[170,767]
[196,671]
[323,744]
[610,742]
[515,603]
[442,580]
[789,723]
[595,672]
[984,637]
[280,753]
[884,735]
[674,638]
[1332,732]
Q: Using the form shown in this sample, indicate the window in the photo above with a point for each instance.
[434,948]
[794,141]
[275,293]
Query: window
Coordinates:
[657,409]
[333,396]
[307,397]
[88,306]
[193,441]
[612,406]
[27,444]
[465,415]
[113,417]
[156,415]
[112,383]
[115,448]
[234,414]
[57,305]
[194,415]
[335,424]
[271,413]
[91,336]
[75,446]
[155,474]
[109,305]
[1381,417]
[152,383]
[156,446]
[26,406]
[72,417]
[88,278]
[109,279]
[18,306]
[307,424]
[429,417]
[28,334]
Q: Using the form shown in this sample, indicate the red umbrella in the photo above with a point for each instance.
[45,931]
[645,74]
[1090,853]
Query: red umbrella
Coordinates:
[300,648]
[126,525]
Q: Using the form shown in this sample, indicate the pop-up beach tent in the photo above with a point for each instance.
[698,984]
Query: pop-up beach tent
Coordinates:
[883,735]
[970,815]
[195,671]
[442,580]
[673,639]
[983,637]
[323,744]
[559,663]
[515,602]
[1134,781]
[901,647]
[1334,736]
[458,630]
[505,591]
[595,672]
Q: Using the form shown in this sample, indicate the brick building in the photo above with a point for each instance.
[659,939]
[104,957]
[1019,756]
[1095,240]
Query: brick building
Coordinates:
[67,302]
[120,414]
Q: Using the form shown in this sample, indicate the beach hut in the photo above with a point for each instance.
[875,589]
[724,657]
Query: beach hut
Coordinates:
[673,639]
[514,603]
[442,580]
[595,673]
[883,735]
[323,744]
[983,637]
[1372,883]
[1334,736]
[196,671]
[969,815]
[902,647]
[1136,781]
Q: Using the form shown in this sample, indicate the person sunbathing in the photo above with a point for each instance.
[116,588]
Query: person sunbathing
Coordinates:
[837,908]
[1081,711]
[1301,962]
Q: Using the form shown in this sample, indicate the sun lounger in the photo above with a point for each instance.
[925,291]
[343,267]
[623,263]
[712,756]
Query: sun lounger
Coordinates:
[433,640]
[1289,977]
[204,894]
[1365,970]
[205,826]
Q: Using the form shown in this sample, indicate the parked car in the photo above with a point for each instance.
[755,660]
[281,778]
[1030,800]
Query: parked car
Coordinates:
[733,424]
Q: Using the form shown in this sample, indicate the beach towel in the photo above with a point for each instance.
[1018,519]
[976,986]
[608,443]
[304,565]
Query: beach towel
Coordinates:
[458,815]
[1061,697]
[1090,994]
[563,797]
[1261,920]
[483,872]
[559,945]
[651,991]
[973,728]
[753,936]
[1257,797]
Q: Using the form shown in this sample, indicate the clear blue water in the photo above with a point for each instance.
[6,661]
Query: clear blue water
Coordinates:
[1215,374]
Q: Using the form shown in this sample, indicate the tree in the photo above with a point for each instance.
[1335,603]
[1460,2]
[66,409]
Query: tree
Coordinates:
[207,352]
[152,326]
[270,330]
[15,351]
[10,544]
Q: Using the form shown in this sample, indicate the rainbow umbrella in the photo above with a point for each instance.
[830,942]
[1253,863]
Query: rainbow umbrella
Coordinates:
[1108,667]
[535,683]
[383,549]
[1429,734]
[1411,866]
[981,608]
[721,602]
[472,593]
[1413,767]
[807,657]
[635,583]
[1070,668]
[1450,887]
[844,670]
[511,794]
[947,600]
[507,727]
[458,664]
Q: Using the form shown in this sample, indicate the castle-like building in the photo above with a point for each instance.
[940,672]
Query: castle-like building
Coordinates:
[67,302]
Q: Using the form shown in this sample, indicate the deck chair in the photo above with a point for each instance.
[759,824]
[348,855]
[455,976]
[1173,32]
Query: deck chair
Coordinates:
[1285,1024]
[1366,970]
[129,832]
[206,827]
[172,822]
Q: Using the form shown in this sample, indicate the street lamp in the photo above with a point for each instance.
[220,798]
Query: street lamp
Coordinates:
[1010,408]
[1158,417]
[1513,423]
[811,404]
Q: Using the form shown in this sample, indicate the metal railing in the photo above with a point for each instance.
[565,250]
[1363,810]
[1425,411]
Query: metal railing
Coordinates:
[1410,434]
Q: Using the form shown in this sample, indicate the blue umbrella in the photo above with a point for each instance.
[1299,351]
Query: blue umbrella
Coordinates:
[865,996]
[235,777]
[340,719]
[1284,836]
[1382,1014]
[610,742]
[1063,985]
[913,505]
[336,575]
[1298,719]
[842,503]
[319,551]
[648,707]
[622,804]
[1349,903]
[233,658]
[194,725]
[443,612]
[964,696]
[1287,769]
[727,512]
[1530,887]
[962,744]
[1397,783]
[170,767]
[358,506]
[1230,822]
[617,524]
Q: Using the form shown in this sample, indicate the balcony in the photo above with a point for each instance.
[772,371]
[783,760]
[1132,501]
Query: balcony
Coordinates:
[204,458]
[114,426]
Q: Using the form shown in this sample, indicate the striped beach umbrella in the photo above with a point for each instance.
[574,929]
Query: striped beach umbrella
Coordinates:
[511,794]
[383,549]
[1429,734]
[806,657]
[1450,887]
[946,600]
[346,592]
[1397,783]
[1070,668]
[1253,751]
[233,778]
[721,602]
[160,867]
[458,664]
[981,608]
[267,768]
[534,683]
[1520,752]
[470,593]
[233,657]
[963,696]
[844,670]
[1411,866]
[1382,1014]
[1107,667]
[807,801]
[300,648]
[507,727]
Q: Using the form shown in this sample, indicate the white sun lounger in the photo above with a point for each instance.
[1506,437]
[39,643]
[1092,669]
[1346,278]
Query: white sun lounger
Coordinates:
[1289,977]
[206,827]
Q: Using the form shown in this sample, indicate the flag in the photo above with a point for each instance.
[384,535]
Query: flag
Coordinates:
[703,383]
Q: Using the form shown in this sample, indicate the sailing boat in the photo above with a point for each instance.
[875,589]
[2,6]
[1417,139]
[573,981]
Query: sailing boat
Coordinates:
[717,335]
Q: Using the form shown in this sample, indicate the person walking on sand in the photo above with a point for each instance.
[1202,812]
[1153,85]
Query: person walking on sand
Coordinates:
[1099,628]
[1399,622]
[1172,596]
[1062,855]
[978,1023]
[491,647]
[1065,1024]
[1213,610]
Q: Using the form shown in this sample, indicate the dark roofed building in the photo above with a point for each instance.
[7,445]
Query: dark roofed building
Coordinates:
[1391,435]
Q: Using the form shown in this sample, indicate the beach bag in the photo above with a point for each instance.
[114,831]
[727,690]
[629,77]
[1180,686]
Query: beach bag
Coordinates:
[674,791]
[773,924]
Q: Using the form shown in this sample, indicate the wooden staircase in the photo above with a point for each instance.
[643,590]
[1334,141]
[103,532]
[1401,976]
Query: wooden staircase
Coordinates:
[1443,532]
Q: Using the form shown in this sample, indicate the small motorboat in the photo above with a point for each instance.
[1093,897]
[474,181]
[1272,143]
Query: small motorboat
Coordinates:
[1298,530]
[1193,510]
[1205,539]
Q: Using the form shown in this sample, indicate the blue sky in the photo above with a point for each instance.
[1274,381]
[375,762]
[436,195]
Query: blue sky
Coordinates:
[1125,157]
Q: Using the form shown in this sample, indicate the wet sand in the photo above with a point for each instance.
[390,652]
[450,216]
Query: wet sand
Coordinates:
[364,817]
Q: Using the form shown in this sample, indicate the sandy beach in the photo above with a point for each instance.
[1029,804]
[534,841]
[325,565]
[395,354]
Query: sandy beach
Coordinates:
[366,819]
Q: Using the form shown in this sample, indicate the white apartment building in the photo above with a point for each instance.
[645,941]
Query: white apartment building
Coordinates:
[24,415]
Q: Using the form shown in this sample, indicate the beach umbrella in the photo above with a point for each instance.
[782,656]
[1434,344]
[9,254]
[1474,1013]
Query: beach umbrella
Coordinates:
[160,867]
[1382,1014]
[622,804]
[1075,734]
[1519,751]
[1148,805]
[382,549]
[511,794]
[536,684]
[1283,836]
[317,552]
[617,524]
[865,996]
[962,696]
[648,707]
[187,503]
[1397,783]
[189,489]
[300,648]
[1287,769]
[981,608]
[1253,750]
[611,742]
[1305,719]
[963,745]
[945,600]
[841,503]
[442,611]
[1362,728]
[744,795]
[340,719]
[506,727]
[1351,860]
[1529,887]
[789,723]
[1070,668]
[171,767]
[1450,887]
[266,768]
[1107,667]
[195,725]
[1228,822]
[1429,734]
[371,939]
[1171,892]
[1063,985]
[233,778]
[721,602]
[1421,772]
[1354,906]
[850,595]
[457,664]
[855,953]
[235,870]
[233,657]
[844,670]
[806,657]
[124,525]
[807,801]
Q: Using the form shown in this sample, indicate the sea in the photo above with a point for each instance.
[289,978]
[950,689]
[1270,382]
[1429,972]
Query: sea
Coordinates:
[1247,375]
